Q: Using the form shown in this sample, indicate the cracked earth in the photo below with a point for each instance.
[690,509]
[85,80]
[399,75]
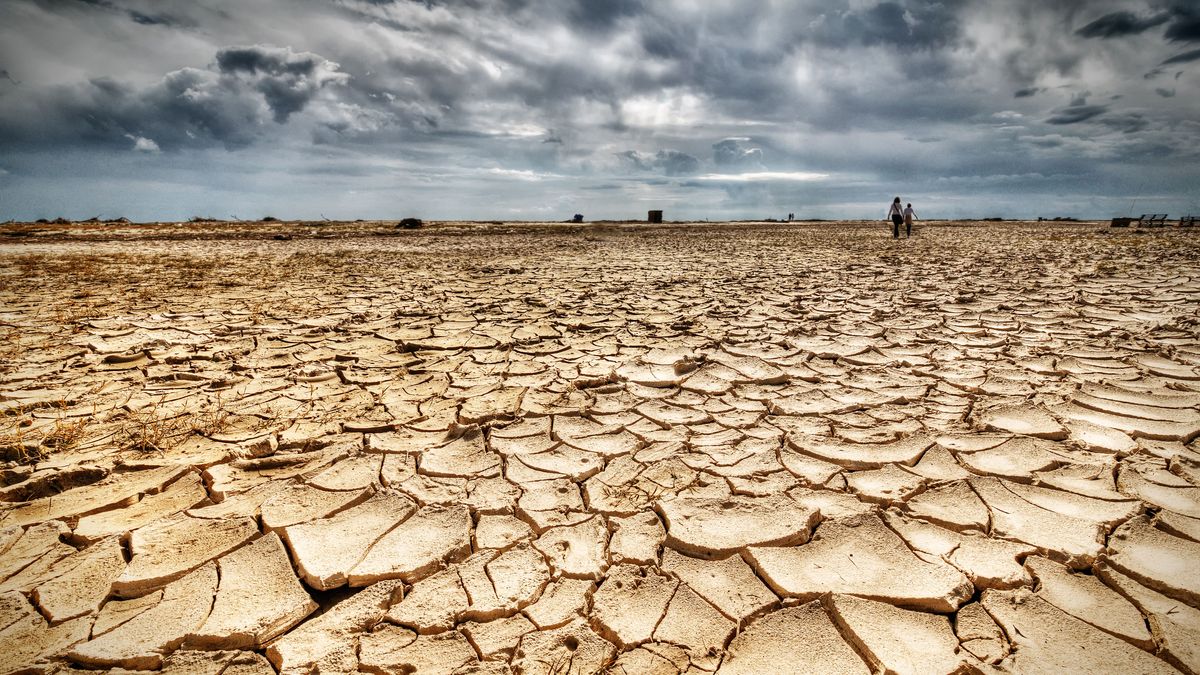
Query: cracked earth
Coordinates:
[540,449]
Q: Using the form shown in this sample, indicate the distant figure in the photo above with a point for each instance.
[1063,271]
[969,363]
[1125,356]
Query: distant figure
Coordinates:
[909,215]
[896,213]
[791,217]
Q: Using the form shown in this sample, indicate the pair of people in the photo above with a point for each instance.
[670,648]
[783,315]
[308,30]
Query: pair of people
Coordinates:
[899,215]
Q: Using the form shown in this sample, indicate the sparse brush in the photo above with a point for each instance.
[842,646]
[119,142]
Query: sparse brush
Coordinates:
[150,431]
[65,434]
[213,419]
[559,666]
[16,442]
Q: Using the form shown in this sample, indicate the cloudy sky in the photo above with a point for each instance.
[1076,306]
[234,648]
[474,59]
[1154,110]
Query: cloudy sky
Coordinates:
[538,109]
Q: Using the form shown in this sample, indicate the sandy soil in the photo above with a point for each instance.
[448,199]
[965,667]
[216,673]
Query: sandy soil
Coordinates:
[540,448]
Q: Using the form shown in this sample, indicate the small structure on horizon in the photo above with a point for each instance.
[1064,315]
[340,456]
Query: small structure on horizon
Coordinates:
[577,218]
[654,217]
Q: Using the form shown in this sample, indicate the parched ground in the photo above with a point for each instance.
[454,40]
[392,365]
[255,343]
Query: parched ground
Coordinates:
[491,448]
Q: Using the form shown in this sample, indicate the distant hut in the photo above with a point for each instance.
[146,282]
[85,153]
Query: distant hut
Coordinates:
[654,217]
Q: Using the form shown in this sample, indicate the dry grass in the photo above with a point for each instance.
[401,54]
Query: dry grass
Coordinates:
[65,434]
[155,430]
[23,442]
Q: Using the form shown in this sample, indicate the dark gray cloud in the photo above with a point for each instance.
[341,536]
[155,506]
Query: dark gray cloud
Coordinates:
[1181,16]
[1186,57]
[675,163]
[906,25]
[1185,22]
[1120,24]
[733,152]
[669,162]
[1125,122]
[601,14]
[287,80]
[1027,92]
[1075,113]
[190,107]
[146,15]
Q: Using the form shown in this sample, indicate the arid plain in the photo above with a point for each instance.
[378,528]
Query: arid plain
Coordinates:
[490,448]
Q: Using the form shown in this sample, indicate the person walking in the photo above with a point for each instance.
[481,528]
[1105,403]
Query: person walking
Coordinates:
[896,213]
[909,215]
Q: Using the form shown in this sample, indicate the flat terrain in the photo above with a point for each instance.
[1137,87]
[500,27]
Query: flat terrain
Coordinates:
[538,448]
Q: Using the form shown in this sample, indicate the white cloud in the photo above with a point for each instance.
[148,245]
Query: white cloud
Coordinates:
[520,174]
[764,177]
[143,144]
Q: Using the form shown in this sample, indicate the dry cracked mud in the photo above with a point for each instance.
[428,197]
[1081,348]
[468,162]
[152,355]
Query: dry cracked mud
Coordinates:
[490,448]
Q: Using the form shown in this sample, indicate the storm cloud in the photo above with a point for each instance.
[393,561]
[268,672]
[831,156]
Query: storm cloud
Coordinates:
[540,108]
[1119,24]
[1076,113]
[1186,57]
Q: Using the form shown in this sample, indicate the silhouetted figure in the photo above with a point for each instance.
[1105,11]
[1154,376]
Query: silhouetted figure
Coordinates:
[909,215]
[896,213]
